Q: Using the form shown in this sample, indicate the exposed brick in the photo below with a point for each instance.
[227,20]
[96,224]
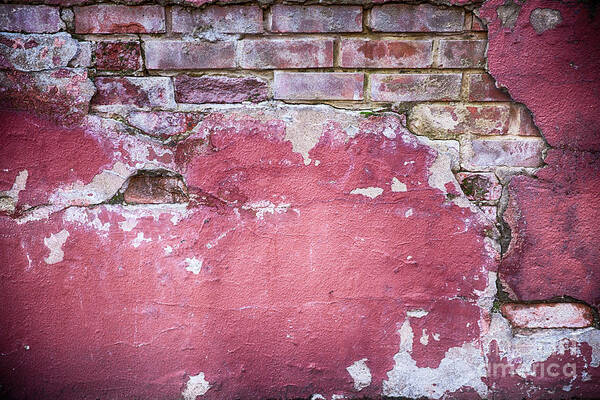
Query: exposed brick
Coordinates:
[548,315]
[150,187]
[291,18]
[36,52]
[521,122]
[118,56]
[170,54]
[415,87]
[318,86]
[477,25]
[462,53]
[104,18]
[482,153]
[61,94]
[286,53]
[139,92]
[482,87]
[163,124]
[219,89]
[373,53]
[228,19]
[416,18]
[83,58]
[449,121]
[482,186]
[32,19]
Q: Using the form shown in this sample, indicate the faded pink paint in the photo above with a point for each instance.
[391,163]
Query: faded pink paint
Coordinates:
[332,271]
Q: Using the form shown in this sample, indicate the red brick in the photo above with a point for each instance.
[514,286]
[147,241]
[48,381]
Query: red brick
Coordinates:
[118,56]
[30,19]
[452,120]
[139,92]
[462,53]
[219,89]
[150,187]
[308,19]
[482,87]
[521,122]
[228,19]
[548,315]
[416,18]
[286,53]
[172,54]
[163,124]
[104,18]
[373,53]
[318,86]
[484,153]
[415,87]
[480,186]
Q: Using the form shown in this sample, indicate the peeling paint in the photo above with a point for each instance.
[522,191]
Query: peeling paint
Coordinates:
[54,243]
[360,373]
[196,386]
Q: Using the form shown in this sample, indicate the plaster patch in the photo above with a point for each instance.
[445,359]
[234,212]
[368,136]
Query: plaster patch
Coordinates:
[544,19]
[360,373]
[139,239]
[461,367]
[193,265]
[55,243]
[398,186]
[265,206]
[416,313]
[10,198]
[196,386]
[370,192]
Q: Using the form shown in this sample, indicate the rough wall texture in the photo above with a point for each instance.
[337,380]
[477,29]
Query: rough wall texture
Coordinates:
[328,201]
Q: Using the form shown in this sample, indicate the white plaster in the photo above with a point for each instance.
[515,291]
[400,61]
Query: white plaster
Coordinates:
[398,186]
[194,265]
[265,206]
[168,250]
[370,192]
[360,373]
[196,386]
[55,243]
[10,198]
[409,213]
[424,338]
[416,313]
[461,367]
[139,239]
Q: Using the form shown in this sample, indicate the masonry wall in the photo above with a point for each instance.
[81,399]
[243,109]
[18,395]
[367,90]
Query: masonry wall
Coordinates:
[273,200]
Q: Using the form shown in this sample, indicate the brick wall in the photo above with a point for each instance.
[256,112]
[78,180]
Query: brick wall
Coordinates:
[248,115]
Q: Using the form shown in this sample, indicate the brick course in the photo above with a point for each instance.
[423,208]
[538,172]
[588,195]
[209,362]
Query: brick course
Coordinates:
[109,18]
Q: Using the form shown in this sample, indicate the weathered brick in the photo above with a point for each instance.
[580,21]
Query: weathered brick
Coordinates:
[482,87]
[462,53]
[318,86]
[228,19]
[415,87]
[139,92]
[449,121]
[118,56]
[477,25]
[163,124]
[548,315]
[286,53]
[521,122]
[105,18]
[416,18]
[31,19]
[483,153]
[373,53]
[83,58]
[61,94]
[36,52]
[308,19]
[219,89]
[151,187]
[170,54]
[481,186]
